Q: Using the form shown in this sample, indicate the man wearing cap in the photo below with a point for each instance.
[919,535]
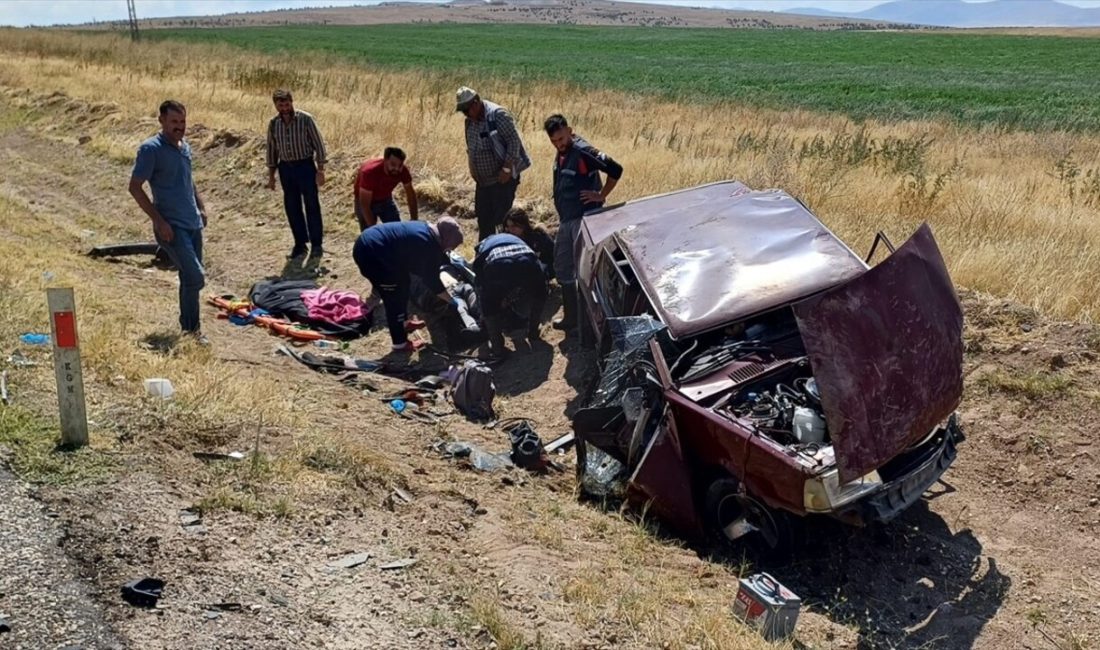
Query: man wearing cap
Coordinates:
[496,157]
[390,253]
[578,191]
[507,270]
[293,142]
[374,185]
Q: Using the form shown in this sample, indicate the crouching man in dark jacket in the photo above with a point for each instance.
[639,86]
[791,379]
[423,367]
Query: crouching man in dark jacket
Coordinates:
[508,274]
[391,253]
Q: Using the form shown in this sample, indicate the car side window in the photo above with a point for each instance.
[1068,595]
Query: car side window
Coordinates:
[618,286]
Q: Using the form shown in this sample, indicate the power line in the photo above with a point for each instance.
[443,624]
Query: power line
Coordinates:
[133,20]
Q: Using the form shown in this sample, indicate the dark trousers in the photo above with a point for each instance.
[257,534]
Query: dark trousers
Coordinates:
[299,181]
[185,251]
[514,278]
[491,204]
[393,287]
[385,211]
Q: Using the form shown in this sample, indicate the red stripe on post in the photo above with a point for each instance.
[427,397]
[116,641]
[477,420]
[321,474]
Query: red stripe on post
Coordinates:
[65,326]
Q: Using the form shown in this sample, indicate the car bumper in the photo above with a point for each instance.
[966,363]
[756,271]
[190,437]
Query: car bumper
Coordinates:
[925,468]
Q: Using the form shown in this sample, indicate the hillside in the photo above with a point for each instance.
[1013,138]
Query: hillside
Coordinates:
[957,13]
[553,12]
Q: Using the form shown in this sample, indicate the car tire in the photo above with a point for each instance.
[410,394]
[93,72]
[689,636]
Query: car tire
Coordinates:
[725,502]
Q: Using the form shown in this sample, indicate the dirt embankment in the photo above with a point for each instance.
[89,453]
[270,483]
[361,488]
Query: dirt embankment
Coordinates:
[1003,555]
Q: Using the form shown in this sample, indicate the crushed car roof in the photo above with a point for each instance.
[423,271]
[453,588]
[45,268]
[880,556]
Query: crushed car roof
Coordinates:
[717,253]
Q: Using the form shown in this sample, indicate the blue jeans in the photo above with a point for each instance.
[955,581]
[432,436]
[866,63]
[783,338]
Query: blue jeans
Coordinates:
[299,181]
[185,251]
[384,211]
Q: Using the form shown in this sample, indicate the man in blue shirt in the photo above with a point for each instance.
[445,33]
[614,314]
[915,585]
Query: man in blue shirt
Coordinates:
[508,272]
[176,209]
[390,253]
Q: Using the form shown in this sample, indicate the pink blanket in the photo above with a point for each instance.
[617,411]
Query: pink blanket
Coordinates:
[333,306]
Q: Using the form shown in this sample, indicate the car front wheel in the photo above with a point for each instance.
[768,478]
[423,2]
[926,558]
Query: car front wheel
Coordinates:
[741,521]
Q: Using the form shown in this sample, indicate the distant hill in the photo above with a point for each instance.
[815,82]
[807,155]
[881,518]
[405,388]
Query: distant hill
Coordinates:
[554,12]
[956,13]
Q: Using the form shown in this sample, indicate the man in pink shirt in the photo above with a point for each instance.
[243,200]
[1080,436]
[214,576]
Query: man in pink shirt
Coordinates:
[374,187]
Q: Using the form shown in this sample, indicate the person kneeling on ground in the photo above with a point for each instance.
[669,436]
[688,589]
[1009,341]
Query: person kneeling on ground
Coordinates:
[390,253]
[535,237]
[374,185]
[507,270]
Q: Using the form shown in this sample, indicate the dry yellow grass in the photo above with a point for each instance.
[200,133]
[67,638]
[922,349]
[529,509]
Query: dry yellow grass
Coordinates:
[1010,220]
[1006,221]
[216,405]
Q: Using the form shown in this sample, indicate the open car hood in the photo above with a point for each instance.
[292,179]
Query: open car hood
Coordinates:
[886,350]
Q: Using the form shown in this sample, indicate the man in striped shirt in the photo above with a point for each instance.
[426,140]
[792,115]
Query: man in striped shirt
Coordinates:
[293,142]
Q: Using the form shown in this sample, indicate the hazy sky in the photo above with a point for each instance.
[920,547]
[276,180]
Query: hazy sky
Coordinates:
[48,12]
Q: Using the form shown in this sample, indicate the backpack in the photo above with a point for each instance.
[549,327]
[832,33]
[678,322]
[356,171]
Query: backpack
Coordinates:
[474,391]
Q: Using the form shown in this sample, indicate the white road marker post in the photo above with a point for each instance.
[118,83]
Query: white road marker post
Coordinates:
[66,362]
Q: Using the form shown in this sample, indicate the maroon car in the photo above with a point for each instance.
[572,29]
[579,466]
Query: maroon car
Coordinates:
[755,369]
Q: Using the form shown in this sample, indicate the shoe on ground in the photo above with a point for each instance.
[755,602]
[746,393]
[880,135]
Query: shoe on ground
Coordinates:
[199,338]
[413,324]
[316,252]
[296,252]
[407,346]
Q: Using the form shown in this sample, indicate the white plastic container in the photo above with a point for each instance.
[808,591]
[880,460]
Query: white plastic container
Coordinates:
[808,425]
[159,387]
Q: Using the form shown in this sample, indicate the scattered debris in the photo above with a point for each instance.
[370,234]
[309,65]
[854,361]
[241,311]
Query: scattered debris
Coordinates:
[159,387]
[561,444]
[143,592]
[478,458]
[349,561]
[769,607]
[4,626]
[20,360]
[281,601]
[4,387]
[34,338]
[210,616]
[332,363]
[110,251]
[213,455]
[225,607]
[191,521]
[527,449]
[603,475]
[432,382]
[398,564]
[398,495]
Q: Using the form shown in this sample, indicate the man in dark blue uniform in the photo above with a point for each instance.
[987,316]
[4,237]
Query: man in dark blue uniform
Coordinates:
[508,273]
[578,190]
[390,253]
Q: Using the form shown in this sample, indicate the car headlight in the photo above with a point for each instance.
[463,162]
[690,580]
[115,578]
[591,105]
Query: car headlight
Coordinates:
[824,493]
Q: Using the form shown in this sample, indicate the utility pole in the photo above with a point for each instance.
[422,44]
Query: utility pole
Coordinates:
[133,20]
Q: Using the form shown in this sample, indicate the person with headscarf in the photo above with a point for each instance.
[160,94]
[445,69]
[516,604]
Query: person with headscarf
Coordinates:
[540,241]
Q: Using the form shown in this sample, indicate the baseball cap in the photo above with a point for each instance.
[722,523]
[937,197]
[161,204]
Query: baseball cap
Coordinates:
[464,96]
